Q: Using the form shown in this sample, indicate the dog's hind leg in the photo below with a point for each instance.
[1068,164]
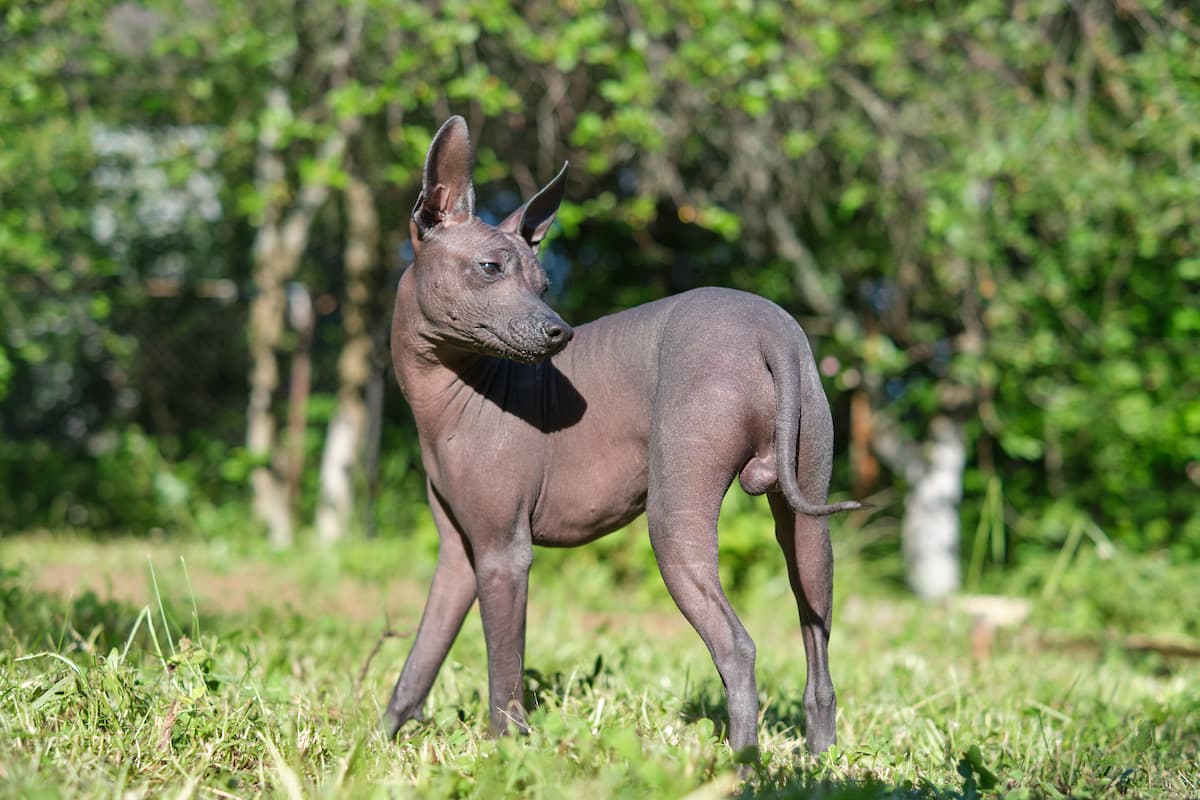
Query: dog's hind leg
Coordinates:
[682,508]
[686,551]
[809,554]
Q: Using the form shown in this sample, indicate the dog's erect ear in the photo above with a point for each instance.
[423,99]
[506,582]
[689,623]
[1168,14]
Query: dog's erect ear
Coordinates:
[533,219]
[447,193]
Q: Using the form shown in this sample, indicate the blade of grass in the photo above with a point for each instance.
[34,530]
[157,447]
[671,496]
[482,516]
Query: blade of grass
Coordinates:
[187,578]
[162,611]
[1063,560]
[288,779]
[49,654]
[143,615]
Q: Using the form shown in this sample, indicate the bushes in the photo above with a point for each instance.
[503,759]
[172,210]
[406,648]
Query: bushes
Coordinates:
[979,211]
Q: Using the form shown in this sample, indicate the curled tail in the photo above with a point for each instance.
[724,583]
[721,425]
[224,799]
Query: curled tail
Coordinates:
[785,369]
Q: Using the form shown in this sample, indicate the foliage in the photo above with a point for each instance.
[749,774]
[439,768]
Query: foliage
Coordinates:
[979,210]
[997,201]
[185,687]
[98,217]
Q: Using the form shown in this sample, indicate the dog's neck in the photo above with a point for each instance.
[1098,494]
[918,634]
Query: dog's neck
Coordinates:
[442,382]
[428,370]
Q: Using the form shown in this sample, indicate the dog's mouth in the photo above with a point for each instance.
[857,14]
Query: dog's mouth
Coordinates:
[489,342]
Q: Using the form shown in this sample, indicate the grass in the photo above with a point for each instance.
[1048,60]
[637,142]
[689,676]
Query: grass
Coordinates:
[133,668]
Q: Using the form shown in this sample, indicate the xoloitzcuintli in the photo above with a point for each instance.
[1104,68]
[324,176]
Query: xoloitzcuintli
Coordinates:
[534,434]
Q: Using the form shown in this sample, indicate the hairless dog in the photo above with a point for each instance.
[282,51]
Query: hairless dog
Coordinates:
[532,433]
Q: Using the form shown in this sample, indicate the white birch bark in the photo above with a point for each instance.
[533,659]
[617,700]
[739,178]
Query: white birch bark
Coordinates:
[930,530]
[278,247]
[344,440]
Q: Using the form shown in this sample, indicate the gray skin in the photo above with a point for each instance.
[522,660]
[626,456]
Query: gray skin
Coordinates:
[533,434]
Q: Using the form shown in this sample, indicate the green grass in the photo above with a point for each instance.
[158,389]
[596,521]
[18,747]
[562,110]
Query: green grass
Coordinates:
[189,669]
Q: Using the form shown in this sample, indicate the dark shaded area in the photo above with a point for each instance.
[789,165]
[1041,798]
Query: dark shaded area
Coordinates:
[557,404]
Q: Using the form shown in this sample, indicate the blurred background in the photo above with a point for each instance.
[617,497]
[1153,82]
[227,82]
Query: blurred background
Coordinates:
[984,214]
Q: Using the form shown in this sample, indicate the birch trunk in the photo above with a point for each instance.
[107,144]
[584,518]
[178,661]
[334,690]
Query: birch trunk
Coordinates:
[266,330]
[300,314]
[930,530]
[344,440]
[278,247]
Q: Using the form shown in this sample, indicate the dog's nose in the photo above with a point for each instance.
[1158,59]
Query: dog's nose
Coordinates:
[557,332]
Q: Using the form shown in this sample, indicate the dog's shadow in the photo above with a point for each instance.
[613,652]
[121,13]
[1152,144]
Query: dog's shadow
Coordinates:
[540,394]
[785,714]
[542,689]
[799,776]
[802,775]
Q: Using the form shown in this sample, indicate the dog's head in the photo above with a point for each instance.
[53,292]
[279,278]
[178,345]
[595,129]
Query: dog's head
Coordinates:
[479,286]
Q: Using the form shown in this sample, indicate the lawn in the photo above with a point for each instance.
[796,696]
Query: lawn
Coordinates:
[147,668]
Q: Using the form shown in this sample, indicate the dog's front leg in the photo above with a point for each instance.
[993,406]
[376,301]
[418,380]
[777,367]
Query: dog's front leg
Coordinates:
[450,597]
[502,583]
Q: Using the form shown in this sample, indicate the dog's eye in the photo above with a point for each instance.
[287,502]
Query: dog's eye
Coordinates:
[490,268]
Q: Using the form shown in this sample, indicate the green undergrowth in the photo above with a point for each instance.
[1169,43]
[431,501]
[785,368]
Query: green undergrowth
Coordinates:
[201,669]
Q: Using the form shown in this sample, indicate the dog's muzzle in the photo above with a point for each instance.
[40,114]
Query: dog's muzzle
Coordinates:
[540,336]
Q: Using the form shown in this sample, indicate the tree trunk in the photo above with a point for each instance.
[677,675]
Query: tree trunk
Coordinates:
[271,263]
[864,467]
[930,531]
[278,247]
[300,314]
[343,442]
[380,368]
[288,214]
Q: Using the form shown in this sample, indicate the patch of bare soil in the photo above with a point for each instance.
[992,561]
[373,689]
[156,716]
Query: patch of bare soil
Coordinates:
[240,590]
[653,624]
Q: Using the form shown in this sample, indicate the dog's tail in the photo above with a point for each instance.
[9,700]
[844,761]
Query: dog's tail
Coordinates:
[785,368]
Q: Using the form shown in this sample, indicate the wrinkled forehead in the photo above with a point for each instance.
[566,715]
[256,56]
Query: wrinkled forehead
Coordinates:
[475,237]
